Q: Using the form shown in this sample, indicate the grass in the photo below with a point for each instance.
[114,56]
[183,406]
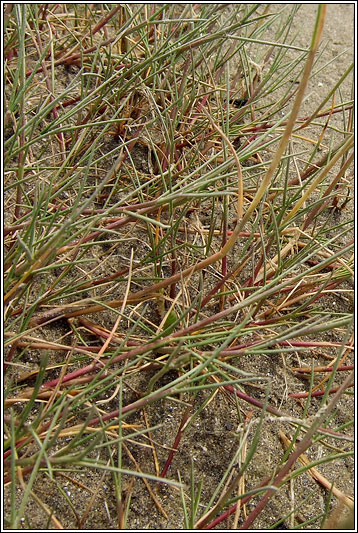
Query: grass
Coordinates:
[173,222]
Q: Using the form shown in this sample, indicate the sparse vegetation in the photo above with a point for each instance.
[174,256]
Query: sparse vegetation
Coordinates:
[178,260]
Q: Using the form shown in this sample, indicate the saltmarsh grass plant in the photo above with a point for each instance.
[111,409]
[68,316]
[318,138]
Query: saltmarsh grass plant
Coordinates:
[171,218]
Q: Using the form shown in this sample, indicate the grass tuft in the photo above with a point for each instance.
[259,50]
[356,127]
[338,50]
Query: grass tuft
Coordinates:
[178,268]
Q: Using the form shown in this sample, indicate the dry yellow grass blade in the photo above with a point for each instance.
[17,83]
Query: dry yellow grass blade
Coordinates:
[315,474]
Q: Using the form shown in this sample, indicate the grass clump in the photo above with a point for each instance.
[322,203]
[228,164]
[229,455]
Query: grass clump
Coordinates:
[177,245]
